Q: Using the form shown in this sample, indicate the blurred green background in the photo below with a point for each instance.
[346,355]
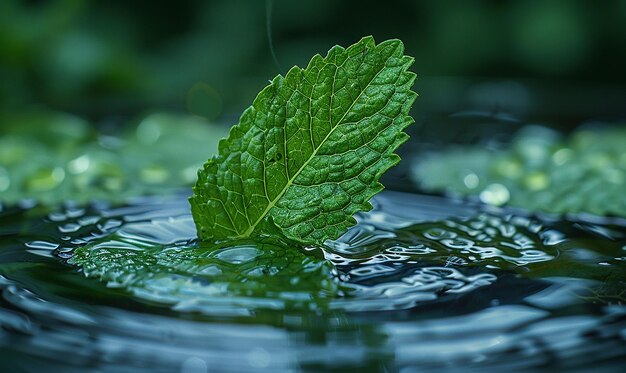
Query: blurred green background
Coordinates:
[102,59]
[115,99]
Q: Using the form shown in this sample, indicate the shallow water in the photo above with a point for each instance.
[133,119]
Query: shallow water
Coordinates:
[422,283]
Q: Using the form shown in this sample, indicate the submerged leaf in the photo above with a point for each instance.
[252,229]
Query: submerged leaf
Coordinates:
[155,262]
[308,153]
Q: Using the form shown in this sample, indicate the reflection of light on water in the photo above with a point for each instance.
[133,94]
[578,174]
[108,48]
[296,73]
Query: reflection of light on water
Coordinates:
[380,265]
[418,289]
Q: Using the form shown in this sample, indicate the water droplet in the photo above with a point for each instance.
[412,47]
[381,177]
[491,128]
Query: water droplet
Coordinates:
[238,255]
[74,212]
[210,270]
[471,180]
[42,245]
[495,194]
[88,220]
[69,228]
[79,165]
[57,216]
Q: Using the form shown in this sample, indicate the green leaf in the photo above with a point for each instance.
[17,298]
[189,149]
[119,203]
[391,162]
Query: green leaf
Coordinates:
[308,153]
[241,276]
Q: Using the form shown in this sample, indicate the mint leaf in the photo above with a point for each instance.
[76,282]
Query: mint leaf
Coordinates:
[248,276]
[308,153]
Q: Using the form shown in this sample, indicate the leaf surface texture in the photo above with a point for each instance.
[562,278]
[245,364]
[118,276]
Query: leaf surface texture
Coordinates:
[308,153]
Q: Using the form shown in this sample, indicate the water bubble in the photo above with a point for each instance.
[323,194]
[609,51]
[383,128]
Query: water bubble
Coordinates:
[495,194]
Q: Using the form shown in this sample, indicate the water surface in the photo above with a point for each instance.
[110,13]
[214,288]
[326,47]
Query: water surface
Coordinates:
[421,283]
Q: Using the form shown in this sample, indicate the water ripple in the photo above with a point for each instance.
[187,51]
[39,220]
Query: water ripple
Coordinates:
[421,284]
